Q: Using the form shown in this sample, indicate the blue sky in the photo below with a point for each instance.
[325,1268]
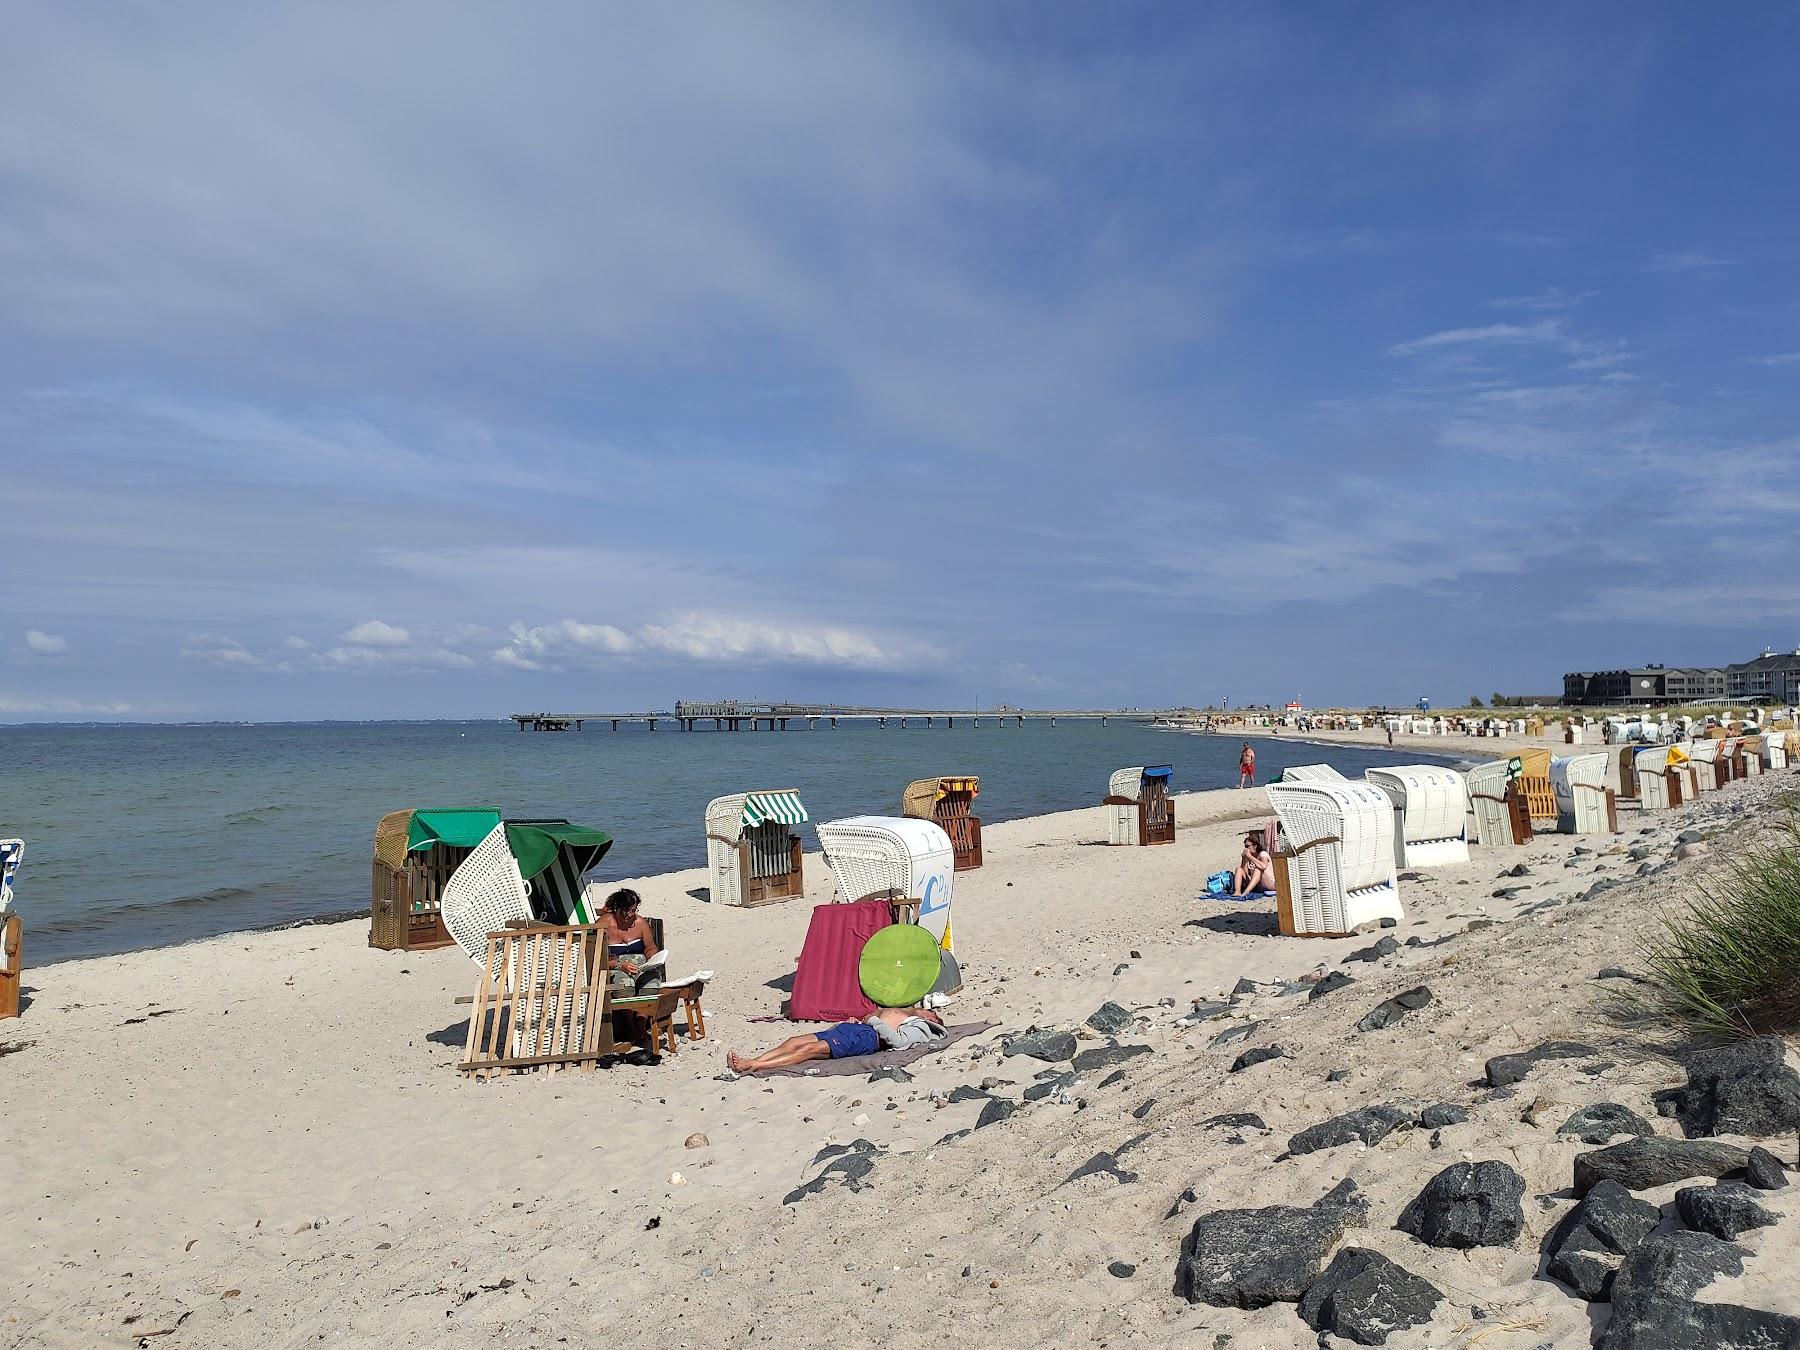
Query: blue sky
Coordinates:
[449,360]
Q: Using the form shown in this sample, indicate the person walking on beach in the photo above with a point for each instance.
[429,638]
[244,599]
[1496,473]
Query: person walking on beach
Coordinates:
[893,1028]
[1247,766]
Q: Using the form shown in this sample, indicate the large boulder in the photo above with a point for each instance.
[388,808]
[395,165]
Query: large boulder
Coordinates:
[1505,1070]
[1390,1012]
[1109,1019]
[1585,1249]
[1654,1306]
[1105,1056]
[1765,1171]
[1597,1123]
[1743,1088]
[1369,1124]
[1250,1258]
[1639,1164]
[1362,1296]
[1468,1205]
[1725,1210]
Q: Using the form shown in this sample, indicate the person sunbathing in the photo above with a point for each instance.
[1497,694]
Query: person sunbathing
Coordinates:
[1256,869]
[890,1028]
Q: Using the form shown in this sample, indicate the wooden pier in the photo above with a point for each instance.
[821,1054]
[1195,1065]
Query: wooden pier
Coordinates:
[737,715]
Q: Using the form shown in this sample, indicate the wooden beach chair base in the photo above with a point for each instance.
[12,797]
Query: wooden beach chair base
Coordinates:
[12,960]
[542,1002]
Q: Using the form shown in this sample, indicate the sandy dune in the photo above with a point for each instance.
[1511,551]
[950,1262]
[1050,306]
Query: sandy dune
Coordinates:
[261,1139]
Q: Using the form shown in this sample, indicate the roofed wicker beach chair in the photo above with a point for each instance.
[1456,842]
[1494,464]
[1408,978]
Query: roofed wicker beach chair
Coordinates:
[1775,749]
[1432,804]
[1311,773]
[951,803]
[541,998]
[1335,868]
[1533,784]
[1703,761]
[1140,810]
[416,851]
[1584,803]
[1500,814]
[1658,786]
[752,851]
[12,930]
[909,862]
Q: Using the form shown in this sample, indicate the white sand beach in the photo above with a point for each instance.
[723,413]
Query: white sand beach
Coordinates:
[262,1139]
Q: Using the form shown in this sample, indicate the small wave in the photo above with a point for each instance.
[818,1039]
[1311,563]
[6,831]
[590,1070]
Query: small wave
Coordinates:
[95,919]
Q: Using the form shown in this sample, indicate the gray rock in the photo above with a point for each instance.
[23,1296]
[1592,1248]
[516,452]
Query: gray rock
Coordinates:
[1468,1205]
[1046,1045]
[1048,1087]
[1690,837]
[849,1167]
[1364,1297]
[1517,870]
[1746,1087]
[1638,852]
[1109,1019]
[1508,892]
[1236,1033]
[1116,1076]
[1386,946]
[1102,1164]
[1235,1120]
[1188,1197]
[1142,1109]
[1390,1012]
[1369,1124]
[1586,1248]
[890,1075]
[1725,1210]
[1604,884]
[1250,1258]
[1476,925]
[1597,1123]
[1244,986]
[1654,1306]
[1764,1170]
[1105,1056]
[1639,1164]
[1335,980]
[965,1093]
[1387,923]
[1505,1070]
[1618,973]
[1443,1113]
[996,1110]
[1260,1054]
[1337,1075]
[1123,1270]
[1205,1012]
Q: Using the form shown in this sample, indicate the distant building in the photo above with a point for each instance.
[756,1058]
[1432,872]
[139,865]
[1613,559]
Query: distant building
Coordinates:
[1770,678]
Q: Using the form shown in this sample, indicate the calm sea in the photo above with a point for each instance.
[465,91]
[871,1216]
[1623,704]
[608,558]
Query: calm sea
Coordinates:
[140,836]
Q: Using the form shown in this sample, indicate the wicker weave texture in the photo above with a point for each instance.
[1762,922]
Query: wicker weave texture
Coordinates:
[1487,788]
[1433,807]
[485,895]
[1579,782]
[390,838]
[1337,886]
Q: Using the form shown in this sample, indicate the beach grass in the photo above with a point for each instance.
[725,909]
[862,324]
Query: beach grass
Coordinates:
[1727,964]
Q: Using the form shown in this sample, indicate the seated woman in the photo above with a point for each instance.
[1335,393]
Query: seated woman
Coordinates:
[1256,869]
[892,1028]
[628,934]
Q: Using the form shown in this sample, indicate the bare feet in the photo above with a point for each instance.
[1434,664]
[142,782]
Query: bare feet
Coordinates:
[736,1062]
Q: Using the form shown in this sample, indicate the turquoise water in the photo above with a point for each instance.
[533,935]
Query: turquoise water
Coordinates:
[139,836]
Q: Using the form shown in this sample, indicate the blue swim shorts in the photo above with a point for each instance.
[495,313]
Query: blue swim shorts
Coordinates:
[850,1038]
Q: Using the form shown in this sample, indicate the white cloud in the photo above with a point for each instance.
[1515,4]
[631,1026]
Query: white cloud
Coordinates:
[1549,330]
[1778,359]
[296,644]
[1687,262]
[45,644]
[375,633]
[16,704]
[703,639]
[1549,299]
[219,650]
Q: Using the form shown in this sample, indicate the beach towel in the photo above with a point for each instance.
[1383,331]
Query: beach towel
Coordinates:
[827,987]
[883,1059]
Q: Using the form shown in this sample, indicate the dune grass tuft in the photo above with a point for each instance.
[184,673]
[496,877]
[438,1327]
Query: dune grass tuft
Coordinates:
[1728,964]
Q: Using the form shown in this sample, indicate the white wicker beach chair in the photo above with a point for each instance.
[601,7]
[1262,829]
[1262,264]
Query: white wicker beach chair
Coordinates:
[752,853]
[1312,773]
[900,857]
[1654,788]
[1750,750]
[1702,755]
[1139,810]
[1584,804]
[1774,749]
[12,930]
[1432,806]
[1487,785]
[1335,869]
